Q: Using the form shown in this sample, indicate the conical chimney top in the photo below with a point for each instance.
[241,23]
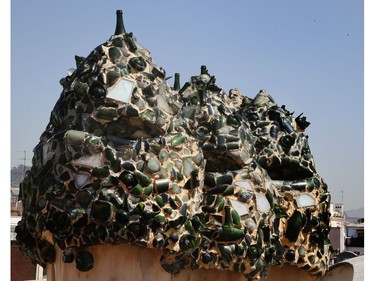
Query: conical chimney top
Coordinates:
[120,28]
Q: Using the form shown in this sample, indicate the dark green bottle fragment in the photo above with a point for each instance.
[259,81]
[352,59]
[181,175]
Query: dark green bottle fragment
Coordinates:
[128,179]
[287,126]
[114,53]
[68,256]
[204,69]
[78,60]
[188,242]
[158,72]
[301,122]
[84,198]
[161,185]
[183,89]
[101,210]
[137,190]
[290,255]
[122,216]
[177,140]
[129,40]
[144,180]
[84,261]
[176,85]
[138,63]
[147,190]
[294,226]
[97,91]
[120,28]
[100,172]
[287,141]
[228,232]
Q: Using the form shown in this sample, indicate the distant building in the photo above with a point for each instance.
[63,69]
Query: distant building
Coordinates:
[345,236]
[337,233]
[337,208]
[355,237]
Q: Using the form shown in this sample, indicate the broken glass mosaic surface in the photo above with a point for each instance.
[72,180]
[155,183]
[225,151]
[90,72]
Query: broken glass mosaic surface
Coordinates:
[216,180]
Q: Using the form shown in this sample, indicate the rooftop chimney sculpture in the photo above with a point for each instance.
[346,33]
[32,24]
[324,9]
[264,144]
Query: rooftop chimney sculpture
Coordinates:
[216,180]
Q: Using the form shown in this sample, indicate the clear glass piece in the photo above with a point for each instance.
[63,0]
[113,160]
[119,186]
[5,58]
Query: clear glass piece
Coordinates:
[241,207]
[305,200]
[80,179]
[121,91]
[47,152]
[244,184]
[262,203]
[163,104]
[93,160]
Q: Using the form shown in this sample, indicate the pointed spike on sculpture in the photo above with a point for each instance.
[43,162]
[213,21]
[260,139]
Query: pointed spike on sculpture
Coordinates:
[120,28]
[176,85]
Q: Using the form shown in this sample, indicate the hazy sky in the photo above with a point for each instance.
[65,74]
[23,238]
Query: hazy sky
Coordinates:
[308,55]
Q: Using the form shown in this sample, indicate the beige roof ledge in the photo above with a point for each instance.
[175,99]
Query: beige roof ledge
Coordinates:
[128,262]
[347,270]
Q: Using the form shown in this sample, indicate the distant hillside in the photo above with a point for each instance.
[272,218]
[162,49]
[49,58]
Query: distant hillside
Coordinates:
[356,213]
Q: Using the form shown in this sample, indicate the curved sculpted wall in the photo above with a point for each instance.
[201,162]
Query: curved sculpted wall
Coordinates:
[214,180]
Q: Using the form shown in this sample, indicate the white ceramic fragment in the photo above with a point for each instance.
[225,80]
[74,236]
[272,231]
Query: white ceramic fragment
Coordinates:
[305,200]
[121,91]
[246,184]
[241,207]
[47,152]
[93,160]
[262,203]
[80,179]
[70,71]
[163,104]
